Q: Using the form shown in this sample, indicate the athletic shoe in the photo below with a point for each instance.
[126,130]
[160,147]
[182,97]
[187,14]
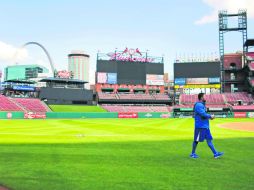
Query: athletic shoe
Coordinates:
[218,154]
[194,155]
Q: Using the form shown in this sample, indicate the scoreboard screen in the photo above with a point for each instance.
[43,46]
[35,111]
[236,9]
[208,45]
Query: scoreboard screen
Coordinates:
[197,70]
[129,72]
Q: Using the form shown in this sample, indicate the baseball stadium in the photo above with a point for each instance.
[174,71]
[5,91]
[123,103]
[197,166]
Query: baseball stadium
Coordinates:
[132,129]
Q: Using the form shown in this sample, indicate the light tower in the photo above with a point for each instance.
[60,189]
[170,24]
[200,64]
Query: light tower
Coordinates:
[224,28]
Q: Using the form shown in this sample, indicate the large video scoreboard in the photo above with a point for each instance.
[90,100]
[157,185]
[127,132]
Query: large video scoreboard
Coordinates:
[195,77]
[125,72]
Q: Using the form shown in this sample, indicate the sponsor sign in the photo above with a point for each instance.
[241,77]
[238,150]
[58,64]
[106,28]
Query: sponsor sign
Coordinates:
[111,78]
[127,115]
[251,114]
[198,86]
[220,115]
[186,109]
[149,115]
[214,80]
[154,80]
[197,80]
[240,114]
[24,88]
[107,78]
[215,109]
[63,74]
[180,81]
[165,115]
[101,77]
[32,115]
[9,115]
[133,55]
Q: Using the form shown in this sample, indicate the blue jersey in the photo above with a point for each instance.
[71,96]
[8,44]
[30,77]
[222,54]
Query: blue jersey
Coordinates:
[201,116]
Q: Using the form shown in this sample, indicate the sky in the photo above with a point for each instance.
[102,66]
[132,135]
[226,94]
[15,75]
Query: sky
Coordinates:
[164,28]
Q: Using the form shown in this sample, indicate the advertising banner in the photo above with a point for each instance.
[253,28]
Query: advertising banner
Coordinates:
[24,88]
[180,81]
[63,74]
[127,115]
[186,109]
[165,115]
[240,114]
[9,115]
[154,80]
[250,114]
[198,86]
[32,115]
[197,80]
[154,115]
[215,109]
[215,80]
[101,77]
[111,78]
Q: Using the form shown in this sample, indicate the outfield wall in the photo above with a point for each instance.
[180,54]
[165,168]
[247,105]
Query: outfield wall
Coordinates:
[82,115]
[12,115]
[78,115]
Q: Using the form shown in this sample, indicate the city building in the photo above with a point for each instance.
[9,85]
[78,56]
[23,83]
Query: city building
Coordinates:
[78,64]
[23,72]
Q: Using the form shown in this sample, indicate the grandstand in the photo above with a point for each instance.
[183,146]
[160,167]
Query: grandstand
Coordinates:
[234,98]
[210,99]
[219,99]
[137,108]
[21,96]
[22,104]
[31,104]
[127,82]
[6,104]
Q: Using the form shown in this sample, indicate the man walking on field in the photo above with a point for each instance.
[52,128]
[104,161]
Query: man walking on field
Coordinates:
[202,130]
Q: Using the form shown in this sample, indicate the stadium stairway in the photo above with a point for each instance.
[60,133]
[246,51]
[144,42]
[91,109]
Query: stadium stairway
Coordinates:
[117,96]
[46,106]
[14,102]
[224,98]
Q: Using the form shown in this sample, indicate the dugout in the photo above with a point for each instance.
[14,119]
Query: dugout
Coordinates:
[188,112]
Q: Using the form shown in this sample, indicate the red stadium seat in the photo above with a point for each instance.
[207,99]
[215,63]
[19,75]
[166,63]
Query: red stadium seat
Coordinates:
[31,104]
[6,104]
[131,108]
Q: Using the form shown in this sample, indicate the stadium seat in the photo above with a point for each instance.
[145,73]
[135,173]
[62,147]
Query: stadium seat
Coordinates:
[6,104]
[210,99]
[31,104]
[133,108]
[107,96]
[233,98]
[243,108]
[160,96]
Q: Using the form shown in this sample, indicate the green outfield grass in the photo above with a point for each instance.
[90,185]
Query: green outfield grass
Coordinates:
[78,108]
[121,154]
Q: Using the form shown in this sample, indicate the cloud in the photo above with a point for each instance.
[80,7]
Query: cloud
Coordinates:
[232,6]
[10,53]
